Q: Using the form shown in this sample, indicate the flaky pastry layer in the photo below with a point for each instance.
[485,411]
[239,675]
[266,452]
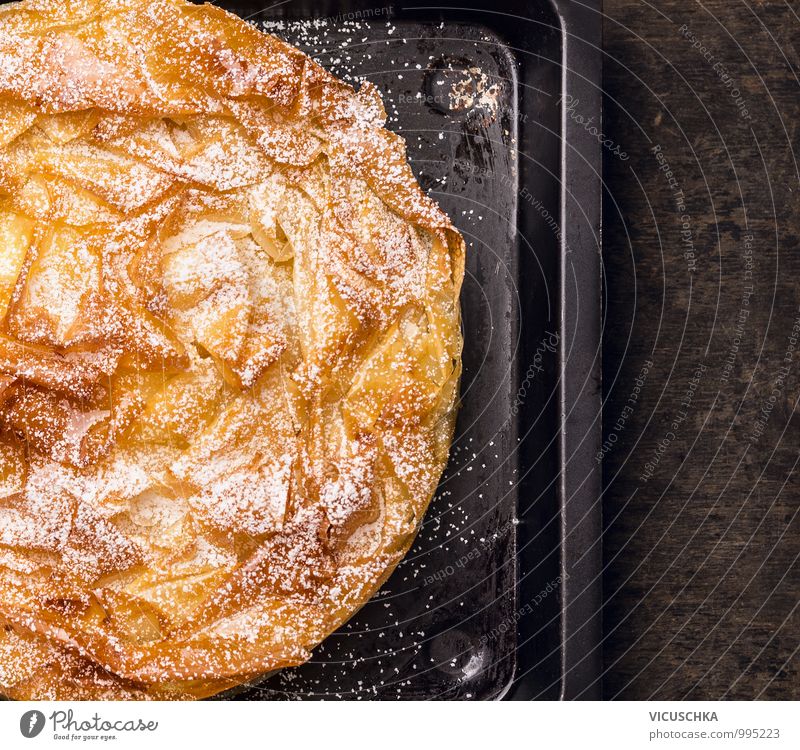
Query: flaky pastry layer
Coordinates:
[229,351]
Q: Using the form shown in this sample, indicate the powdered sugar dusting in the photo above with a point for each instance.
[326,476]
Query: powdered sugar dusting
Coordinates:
[234,289]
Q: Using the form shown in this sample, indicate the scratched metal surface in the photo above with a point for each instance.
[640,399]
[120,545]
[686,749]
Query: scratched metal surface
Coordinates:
[444,624]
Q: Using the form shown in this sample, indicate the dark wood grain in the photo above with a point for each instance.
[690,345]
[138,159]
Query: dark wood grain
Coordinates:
[702,577]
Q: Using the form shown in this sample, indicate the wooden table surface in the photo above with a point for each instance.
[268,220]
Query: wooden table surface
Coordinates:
[702,349]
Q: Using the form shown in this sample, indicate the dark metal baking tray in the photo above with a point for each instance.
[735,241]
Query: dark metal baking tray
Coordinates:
[500,595]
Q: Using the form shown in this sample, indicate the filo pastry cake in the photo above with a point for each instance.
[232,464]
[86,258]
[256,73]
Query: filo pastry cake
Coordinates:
[229,353]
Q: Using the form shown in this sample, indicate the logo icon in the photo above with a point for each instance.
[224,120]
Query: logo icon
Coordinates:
[31,723]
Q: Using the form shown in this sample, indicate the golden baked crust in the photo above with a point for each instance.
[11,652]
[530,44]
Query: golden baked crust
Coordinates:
[229,353]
